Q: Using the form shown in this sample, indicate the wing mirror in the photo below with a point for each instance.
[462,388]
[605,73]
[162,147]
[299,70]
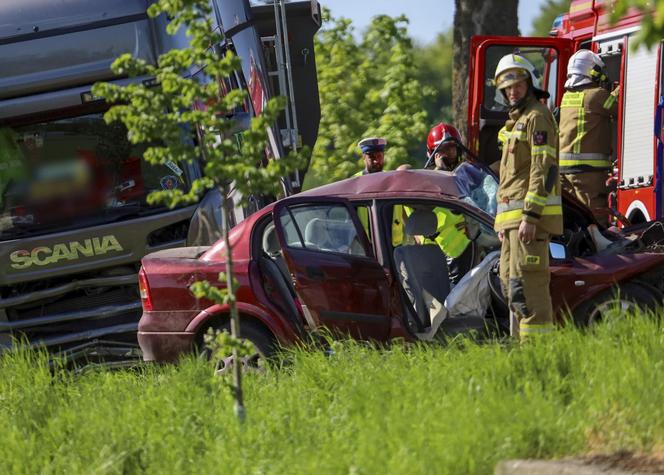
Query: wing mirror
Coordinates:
[557,250]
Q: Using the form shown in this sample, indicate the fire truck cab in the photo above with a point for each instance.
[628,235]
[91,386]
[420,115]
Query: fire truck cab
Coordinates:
[637,139]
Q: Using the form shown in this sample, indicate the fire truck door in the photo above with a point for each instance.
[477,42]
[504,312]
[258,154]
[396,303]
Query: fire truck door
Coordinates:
[487,109]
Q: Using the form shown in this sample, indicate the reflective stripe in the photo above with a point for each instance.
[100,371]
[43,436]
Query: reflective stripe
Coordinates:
[503,135]
[537,199]
[518,204]
[514,134]
[572,99]
[518,134]
[520,60]
[595,160]
[575,100]
[515,214]
[544,150]
[580,130]
[608,103]
[590,163]
[535,328]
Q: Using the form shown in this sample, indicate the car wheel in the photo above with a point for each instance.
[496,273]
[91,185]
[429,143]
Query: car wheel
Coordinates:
[616,302]
[263,348]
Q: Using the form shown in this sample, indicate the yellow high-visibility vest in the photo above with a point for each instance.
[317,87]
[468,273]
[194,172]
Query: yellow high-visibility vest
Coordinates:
[452,238]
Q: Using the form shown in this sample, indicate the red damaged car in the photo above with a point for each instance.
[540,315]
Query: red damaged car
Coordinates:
[353,257]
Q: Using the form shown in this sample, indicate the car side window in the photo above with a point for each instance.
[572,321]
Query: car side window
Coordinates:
[327,228]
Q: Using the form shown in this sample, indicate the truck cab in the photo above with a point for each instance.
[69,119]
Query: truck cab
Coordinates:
[74,219]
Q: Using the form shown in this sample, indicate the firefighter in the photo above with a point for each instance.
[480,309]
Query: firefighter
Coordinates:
[373,154]
[586,112]
[529,205]
[445,151]
[444,147]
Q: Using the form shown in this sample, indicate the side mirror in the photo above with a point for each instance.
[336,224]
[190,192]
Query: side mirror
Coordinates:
[557,250]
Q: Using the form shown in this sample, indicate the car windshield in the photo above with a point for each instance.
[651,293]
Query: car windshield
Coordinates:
[58,173]
[477,186]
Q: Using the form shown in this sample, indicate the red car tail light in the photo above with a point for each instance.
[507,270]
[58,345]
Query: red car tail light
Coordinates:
[144,289]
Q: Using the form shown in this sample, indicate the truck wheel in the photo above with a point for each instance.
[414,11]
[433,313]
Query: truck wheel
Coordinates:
[264,347]
[616,301]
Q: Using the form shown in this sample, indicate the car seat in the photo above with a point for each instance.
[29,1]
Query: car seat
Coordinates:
[422,270]
[332,235]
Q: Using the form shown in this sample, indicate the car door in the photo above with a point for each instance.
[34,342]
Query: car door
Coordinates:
[337,278]
[486,112]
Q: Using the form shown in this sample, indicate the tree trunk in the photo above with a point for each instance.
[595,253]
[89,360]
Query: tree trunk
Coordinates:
[476,17]
[235,317]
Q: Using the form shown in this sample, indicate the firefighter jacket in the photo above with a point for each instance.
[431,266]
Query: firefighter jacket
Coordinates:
[585,128]
[529,187]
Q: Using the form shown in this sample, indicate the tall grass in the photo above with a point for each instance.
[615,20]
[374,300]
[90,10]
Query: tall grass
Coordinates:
[408,409]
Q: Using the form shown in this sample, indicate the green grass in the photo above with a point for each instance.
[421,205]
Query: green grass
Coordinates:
[416,409]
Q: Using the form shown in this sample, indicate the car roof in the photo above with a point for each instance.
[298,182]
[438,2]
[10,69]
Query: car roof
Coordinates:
[413,182]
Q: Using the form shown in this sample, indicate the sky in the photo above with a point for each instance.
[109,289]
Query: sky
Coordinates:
[427,17]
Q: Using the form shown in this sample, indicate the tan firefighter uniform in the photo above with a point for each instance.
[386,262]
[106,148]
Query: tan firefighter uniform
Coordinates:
[585,145]
[529,190]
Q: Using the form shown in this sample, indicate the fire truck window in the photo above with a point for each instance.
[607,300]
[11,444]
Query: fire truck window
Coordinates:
[545,61]
[552,80]
[494,106]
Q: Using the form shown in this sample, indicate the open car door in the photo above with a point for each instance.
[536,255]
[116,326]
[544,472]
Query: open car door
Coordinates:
[487,109]
[338,280]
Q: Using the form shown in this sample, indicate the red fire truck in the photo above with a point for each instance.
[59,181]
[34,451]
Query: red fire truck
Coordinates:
[637,138]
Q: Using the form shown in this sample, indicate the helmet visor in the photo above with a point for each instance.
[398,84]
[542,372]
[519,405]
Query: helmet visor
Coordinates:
[511,77]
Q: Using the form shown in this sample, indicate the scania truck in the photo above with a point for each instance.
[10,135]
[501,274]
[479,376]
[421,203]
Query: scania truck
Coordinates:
[74,221]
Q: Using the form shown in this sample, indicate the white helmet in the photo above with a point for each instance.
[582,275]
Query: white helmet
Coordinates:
[585,63]
[513,68]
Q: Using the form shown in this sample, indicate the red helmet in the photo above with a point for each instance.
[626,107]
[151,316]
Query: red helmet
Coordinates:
[440,134]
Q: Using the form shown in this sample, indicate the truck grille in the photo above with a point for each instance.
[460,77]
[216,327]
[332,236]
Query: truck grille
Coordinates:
[60,315]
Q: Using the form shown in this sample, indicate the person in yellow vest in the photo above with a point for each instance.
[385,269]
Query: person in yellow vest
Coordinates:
[373,154]
[529,204]
[445,152]
[586,112]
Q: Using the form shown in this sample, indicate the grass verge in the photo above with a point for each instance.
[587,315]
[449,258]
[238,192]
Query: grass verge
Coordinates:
[417,409]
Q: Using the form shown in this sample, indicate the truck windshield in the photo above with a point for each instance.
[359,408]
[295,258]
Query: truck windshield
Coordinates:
[72,171]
